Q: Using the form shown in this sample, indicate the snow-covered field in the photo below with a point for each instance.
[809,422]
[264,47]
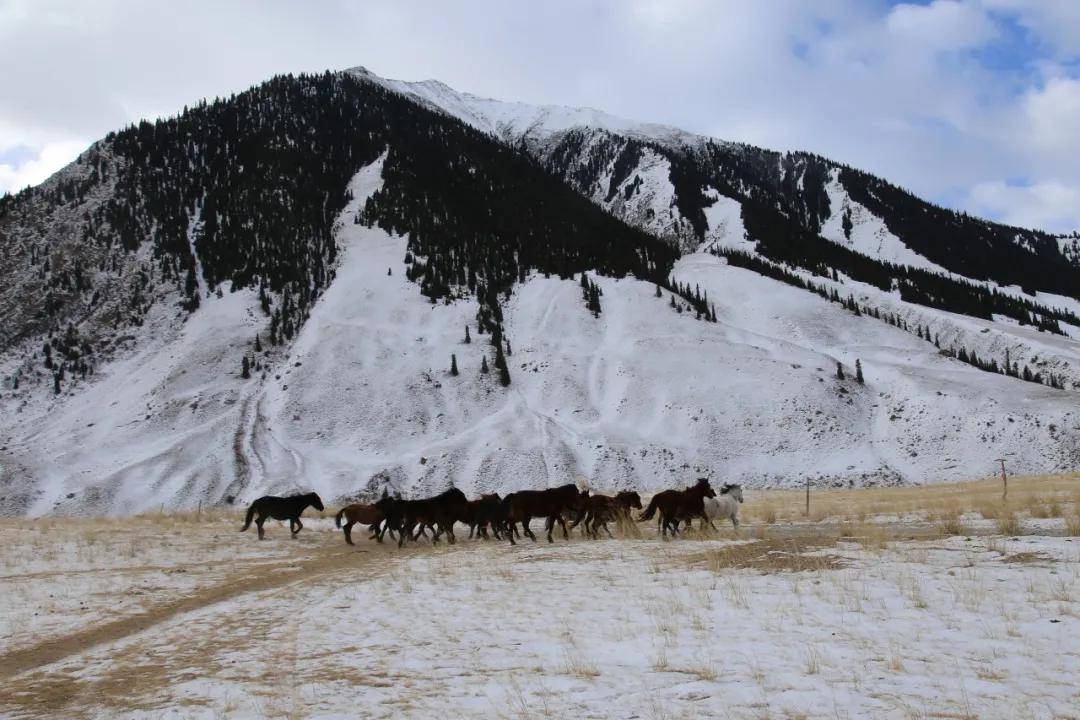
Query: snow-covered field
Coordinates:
[893,616]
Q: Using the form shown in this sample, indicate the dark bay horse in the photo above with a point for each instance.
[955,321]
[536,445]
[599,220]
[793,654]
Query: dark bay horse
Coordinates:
[438,513]
[281,508]
[677,505]
[482,513]
[523,506]
[359,513]
[602,509]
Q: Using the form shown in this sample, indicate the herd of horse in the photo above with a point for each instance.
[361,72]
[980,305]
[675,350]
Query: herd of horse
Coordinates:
[408,520]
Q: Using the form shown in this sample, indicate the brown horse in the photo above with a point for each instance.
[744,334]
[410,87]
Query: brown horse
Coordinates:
[598,510]
[482,513]
[281,508]
[358,513]
[439,513]
[677,505]
[523,506]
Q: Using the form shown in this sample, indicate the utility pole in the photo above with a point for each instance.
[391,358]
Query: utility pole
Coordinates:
[1004,479]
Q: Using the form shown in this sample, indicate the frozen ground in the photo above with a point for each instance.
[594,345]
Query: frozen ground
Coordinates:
[166,616]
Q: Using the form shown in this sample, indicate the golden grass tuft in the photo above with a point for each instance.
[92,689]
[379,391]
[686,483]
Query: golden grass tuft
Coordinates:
[949,522]
[1008,523]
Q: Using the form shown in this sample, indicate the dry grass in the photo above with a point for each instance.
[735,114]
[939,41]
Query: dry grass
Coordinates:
[1039,495]
[949,522]
[769,555]
[1008,523]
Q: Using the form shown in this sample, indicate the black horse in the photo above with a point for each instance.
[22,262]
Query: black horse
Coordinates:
[281,508]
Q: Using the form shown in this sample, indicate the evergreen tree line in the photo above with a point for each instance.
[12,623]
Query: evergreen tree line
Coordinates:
[1008,367]
[785,203]
[245,190]
[697,300]
[590,293]
[800,248]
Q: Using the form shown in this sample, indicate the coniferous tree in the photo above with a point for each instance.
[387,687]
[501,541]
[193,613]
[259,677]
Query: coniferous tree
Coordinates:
[258,343]
[858,372]
[658,293]
[483,364]
[245,368]
[467,338]
[839,371]
[508,350]
[500,363]
[389,271]
[56,384]
[453,365]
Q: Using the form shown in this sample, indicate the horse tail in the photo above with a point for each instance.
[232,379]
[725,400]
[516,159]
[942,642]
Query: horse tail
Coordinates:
[337,519]
[649,511]
[250,515]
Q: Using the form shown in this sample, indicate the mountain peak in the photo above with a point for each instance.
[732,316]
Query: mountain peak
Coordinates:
[519,120]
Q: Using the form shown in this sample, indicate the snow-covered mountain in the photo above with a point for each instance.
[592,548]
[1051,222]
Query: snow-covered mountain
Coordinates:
[714,359]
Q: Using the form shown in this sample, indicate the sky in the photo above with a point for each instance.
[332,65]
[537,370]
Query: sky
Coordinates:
[973,104]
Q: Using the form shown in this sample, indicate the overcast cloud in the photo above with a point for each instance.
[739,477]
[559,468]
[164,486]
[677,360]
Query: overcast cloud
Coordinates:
[971,103]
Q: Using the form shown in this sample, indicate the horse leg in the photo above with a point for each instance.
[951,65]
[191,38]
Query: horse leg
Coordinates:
[347,529]
[549,525]
[525,529]
[259,522]
[735,522]
[450,534]
[299,526]
[562,524]
[604,524]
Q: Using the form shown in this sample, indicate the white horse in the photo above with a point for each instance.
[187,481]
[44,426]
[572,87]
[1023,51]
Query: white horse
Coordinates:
[725,505]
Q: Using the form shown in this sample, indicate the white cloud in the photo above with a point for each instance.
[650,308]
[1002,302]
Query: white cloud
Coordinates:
[1054,23]
[14,177]
[1050,205]
[1053,114]
[894,90]
[944,25]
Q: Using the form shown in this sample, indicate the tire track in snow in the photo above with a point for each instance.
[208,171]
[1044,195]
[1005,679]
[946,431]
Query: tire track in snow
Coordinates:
[258,577]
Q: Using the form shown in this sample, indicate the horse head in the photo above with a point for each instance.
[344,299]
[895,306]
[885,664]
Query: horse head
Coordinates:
[316,501]
[707,489]
[732,489]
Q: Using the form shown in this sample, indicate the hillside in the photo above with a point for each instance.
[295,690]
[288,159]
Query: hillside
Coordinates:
[398,227]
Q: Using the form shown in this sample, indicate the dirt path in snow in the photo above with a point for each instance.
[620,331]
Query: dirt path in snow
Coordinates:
[254,575]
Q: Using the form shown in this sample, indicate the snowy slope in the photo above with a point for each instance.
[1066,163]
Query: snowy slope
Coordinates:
[646,198]
[514,120]
[640,396]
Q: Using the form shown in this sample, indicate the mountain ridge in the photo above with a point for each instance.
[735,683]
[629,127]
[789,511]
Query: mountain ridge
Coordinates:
[141,276]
